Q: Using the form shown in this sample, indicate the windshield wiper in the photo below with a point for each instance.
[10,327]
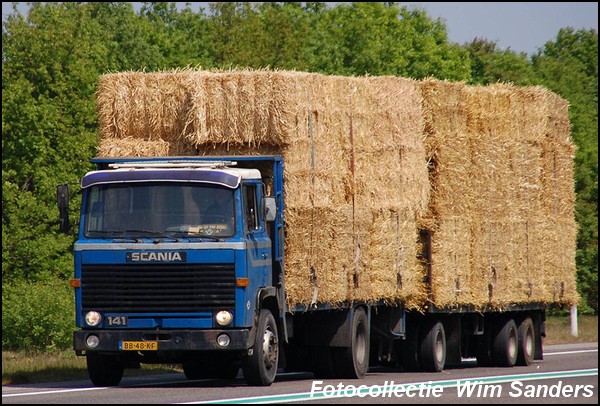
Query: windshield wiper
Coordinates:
[188,234]
[123,233]
[151,233]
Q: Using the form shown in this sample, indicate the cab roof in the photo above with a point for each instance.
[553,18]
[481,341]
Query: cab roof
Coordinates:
[123,173]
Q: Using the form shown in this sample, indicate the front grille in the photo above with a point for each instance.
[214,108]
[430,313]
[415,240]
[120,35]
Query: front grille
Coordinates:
[153,288]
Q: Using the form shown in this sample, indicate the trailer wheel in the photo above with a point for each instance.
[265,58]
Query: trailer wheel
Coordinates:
[104,370]
[505,345]
[526,342]
[353,362]
[260,367]
[433,348]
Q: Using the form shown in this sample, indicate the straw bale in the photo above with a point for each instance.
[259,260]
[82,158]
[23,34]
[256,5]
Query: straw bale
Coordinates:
[132,147]
[515,265]
[240,108]
[140,105]
[339,254]
[529,110]
[448,150]
[499,255]
[558,126]
[305,189]
[319,255]
[450,264]
[387,144]
[389,250]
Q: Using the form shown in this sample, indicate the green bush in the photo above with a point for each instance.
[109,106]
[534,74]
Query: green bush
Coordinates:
[37,316]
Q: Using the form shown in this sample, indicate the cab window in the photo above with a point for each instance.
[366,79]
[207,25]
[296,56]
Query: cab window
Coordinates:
[251,208]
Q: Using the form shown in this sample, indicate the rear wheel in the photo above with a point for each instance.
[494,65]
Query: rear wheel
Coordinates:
[433,348]
[505,345]
[104,370]
[353,362]
[260,367]
[526,342]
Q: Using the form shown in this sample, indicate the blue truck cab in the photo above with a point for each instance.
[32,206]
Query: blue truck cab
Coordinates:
[180,260]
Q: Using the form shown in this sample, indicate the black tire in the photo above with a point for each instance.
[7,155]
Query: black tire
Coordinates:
[353,362]
[211,366]
[411,359]
[260,368]
[505,345]
[526,348]
[104,370]
[433,348]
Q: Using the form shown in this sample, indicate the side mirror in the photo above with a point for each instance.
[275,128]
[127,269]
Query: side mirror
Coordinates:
[62,195]
[270,207]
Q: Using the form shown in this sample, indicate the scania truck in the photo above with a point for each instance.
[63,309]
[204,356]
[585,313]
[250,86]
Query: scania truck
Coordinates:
[180,260]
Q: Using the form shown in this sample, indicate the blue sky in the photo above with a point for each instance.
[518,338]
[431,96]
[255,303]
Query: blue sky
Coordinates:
[520,26]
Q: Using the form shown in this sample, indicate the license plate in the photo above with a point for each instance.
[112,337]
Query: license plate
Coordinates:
[139,345]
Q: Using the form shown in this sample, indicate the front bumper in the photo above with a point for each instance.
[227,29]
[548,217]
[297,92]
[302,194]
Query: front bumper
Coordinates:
[168,340]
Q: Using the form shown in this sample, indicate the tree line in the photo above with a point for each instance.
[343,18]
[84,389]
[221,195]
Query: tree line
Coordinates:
[52,59]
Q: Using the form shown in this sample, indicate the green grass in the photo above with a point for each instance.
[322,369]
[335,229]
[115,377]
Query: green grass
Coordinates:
[21,367]
[558,330]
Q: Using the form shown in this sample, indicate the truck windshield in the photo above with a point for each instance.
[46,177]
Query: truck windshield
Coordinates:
[168,209]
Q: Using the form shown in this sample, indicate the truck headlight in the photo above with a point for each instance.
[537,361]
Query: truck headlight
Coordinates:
[93,318]
[224,318]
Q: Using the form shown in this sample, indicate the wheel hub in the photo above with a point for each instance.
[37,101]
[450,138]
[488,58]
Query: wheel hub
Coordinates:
[269,348]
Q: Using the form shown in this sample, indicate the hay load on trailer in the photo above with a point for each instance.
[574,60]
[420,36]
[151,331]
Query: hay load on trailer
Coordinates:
[502,200]
[377,171]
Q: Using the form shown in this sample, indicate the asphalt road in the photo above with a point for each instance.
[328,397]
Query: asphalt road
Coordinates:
[567,375]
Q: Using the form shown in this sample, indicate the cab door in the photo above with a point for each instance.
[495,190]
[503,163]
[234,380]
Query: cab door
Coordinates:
[258,243]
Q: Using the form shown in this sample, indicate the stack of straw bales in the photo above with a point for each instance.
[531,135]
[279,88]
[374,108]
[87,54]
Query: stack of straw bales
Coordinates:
[502,201]
[361,158]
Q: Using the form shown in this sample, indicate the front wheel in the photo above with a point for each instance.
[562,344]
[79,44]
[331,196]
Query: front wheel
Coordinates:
[104,370]
[260,367]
